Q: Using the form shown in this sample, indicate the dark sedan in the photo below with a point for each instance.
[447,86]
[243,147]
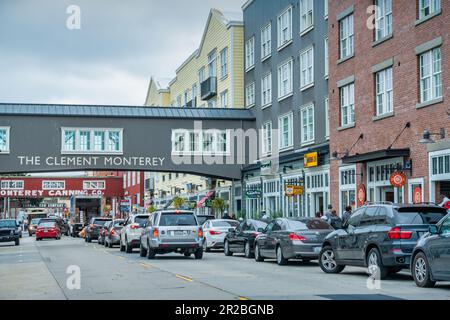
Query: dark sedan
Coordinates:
[242,239]
[431,257]
[113,235]
[93,228]
[285,239]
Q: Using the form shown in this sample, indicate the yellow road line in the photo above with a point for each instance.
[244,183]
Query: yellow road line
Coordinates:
[147,266]
[243,298]
[121,258]
[184,278]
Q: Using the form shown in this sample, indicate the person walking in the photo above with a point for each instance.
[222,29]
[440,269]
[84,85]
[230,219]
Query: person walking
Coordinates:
[328,215]
[347,213]
[319,214]
[335,220]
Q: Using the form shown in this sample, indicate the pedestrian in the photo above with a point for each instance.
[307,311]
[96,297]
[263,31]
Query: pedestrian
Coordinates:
[319,214]
[265,216]
[233,216]
[347,213]
[226,216]
[335,220]
[328,215]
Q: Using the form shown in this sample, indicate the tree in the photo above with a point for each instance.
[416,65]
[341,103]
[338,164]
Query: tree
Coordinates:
[178,202]
[219,205]
[151,209]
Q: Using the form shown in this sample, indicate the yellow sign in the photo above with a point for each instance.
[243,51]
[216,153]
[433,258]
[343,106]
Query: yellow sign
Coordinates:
[311,160]
[292,191]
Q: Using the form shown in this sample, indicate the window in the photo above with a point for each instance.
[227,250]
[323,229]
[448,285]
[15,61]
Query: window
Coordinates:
[285,27]
[91,140]
[224,99]
[186,98]
[430,75]
[212,103]
[4,139]
[212,64]
[347,181]
[384,92]
[124,181]
[285,79]
[194,142]
[266,90]
[250,53]
[266,41]
[224,63]
[307,123]
[326,58]
[327,118]
[250,95]
[307,68]
[201,75]
[179,141]
[12,184]
[346,37]
[383,19]
[133,178]
[440,165]
[179,101]
[347,94]
[53,185]
[428,7]
[194,96]
[209,142]
[326,9]
[94,185]
[306,15]
[285,131]
[267,138]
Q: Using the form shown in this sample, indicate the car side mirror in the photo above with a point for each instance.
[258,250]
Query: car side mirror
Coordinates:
[433,230]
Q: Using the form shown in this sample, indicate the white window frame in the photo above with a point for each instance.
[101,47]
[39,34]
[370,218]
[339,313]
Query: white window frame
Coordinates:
[327,118]
[224,99]
[430,78]
[53,185]
[284,41]
[266,41]
[307,68]
[266,90]
[434,5]
[384,92]
[194,95]
[267,138]
[346,37]
[325,10]
[12,185]
[306,16]
[94,185]
[282,94]
[250,54]
[349,186]
[327,59]
[290,132]
[307,129]
[216,135]
[6,149]
[383,19]
[212,64]
[224,63]
[201,75]
[250,95]
[414,182]
[348,103]
[92,150]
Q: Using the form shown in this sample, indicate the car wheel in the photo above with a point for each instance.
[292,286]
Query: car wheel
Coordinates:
[142,251]
[375,265]
[187,254]
[128,248]
[421,271]
[258,256]
[198,254]
[327,261]
[89,240]
[150,252]
[227,251]
[248,250]
[281,260]
[17,242]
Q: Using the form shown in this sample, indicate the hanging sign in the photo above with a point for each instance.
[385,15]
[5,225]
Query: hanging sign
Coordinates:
[361,195]
[292,191]
[417,195]
[253,194]
[311,160]
[398,179]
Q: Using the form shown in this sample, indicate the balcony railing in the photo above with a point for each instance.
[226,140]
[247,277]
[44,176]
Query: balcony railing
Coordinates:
[209,88]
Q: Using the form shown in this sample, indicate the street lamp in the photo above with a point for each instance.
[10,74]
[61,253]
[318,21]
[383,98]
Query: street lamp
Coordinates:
[426,136]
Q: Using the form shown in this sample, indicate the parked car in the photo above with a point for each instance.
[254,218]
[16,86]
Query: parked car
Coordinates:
[48,229]
[104,230]
[286,238]
[113,236]
[379,236]
[93,228]
[242,239]
[75,229]
[203,218]
[172,231]
[8,231]
[62,224]
[214,232]
[19,228]
[130,234]
[33,225]
[431,257]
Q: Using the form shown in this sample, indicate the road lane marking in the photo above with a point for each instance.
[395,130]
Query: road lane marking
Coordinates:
[184,278]
[145,265]
[244,298]
[121,258]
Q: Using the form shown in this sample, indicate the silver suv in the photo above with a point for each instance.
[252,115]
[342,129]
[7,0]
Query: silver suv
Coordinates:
[131,232]
[172,231]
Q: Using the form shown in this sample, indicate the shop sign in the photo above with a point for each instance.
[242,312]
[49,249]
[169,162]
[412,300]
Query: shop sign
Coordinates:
[293,191]
[417,195]
[311,160]
[361,195]
[253,194]
[398,179]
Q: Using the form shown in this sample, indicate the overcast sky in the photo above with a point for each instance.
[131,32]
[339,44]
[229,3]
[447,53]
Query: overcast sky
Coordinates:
[110,60]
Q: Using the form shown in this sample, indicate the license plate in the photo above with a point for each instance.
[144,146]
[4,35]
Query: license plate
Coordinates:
[45,230]
[317,249]
[179,233]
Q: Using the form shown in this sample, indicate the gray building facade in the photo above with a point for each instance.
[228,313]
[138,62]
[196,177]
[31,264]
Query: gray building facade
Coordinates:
[286,52]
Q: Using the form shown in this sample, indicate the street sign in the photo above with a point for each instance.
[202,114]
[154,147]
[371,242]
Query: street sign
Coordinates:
[293,191]
[398,179]
[253,194]
[361,195]
[311,160]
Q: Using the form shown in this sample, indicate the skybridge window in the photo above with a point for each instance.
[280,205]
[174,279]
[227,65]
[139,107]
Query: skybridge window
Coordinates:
[91,141]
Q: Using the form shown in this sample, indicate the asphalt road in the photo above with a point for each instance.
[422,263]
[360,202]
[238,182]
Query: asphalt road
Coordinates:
[38,270]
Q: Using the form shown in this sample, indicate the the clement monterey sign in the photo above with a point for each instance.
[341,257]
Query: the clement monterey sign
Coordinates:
[89,161]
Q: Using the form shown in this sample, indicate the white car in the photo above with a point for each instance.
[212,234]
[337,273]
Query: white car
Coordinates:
[130,235]
[215,232]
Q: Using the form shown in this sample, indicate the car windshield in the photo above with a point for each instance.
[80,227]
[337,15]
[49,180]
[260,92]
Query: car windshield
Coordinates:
[202,220]
[260,224]
[177,219]
[419,215]
[141,220]
[47,224]
[100,222]
[7,223]
[309,224]
[35,220]
[219,223]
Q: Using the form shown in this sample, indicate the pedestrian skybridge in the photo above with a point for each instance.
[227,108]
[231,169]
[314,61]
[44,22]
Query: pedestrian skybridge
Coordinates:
[52,138]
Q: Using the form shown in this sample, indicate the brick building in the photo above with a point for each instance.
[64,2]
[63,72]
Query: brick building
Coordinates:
[389,82]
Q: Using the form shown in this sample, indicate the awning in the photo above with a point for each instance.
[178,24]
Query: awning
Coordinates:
[376,155]
[203,200]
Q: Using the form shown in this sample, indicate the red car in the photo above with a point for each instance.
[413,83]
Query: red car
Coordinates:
[48,229]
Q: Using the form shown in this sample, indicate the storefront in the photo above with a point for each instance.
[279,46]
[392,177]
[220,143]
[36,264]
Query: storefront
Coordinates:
[379,184]
[293,204]
[253,199]
[347,187]
[317,190]
[439,162]
[271,197]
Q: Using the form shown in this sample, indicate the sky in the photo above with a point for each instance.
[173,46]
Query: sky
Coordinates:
[109,60]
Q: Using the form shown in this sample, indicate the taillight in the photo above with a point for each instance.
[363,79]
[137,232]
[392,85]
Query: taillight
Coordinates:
[296,237]
[200,233]
[113,232]
[396,233]
[214,232]
[155,233]
[255,234]
[135,226]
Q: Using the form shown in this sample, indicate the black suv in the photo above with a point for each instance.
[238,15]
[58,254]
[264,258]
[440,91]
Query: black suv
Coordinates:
[9,232]
[378,236]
